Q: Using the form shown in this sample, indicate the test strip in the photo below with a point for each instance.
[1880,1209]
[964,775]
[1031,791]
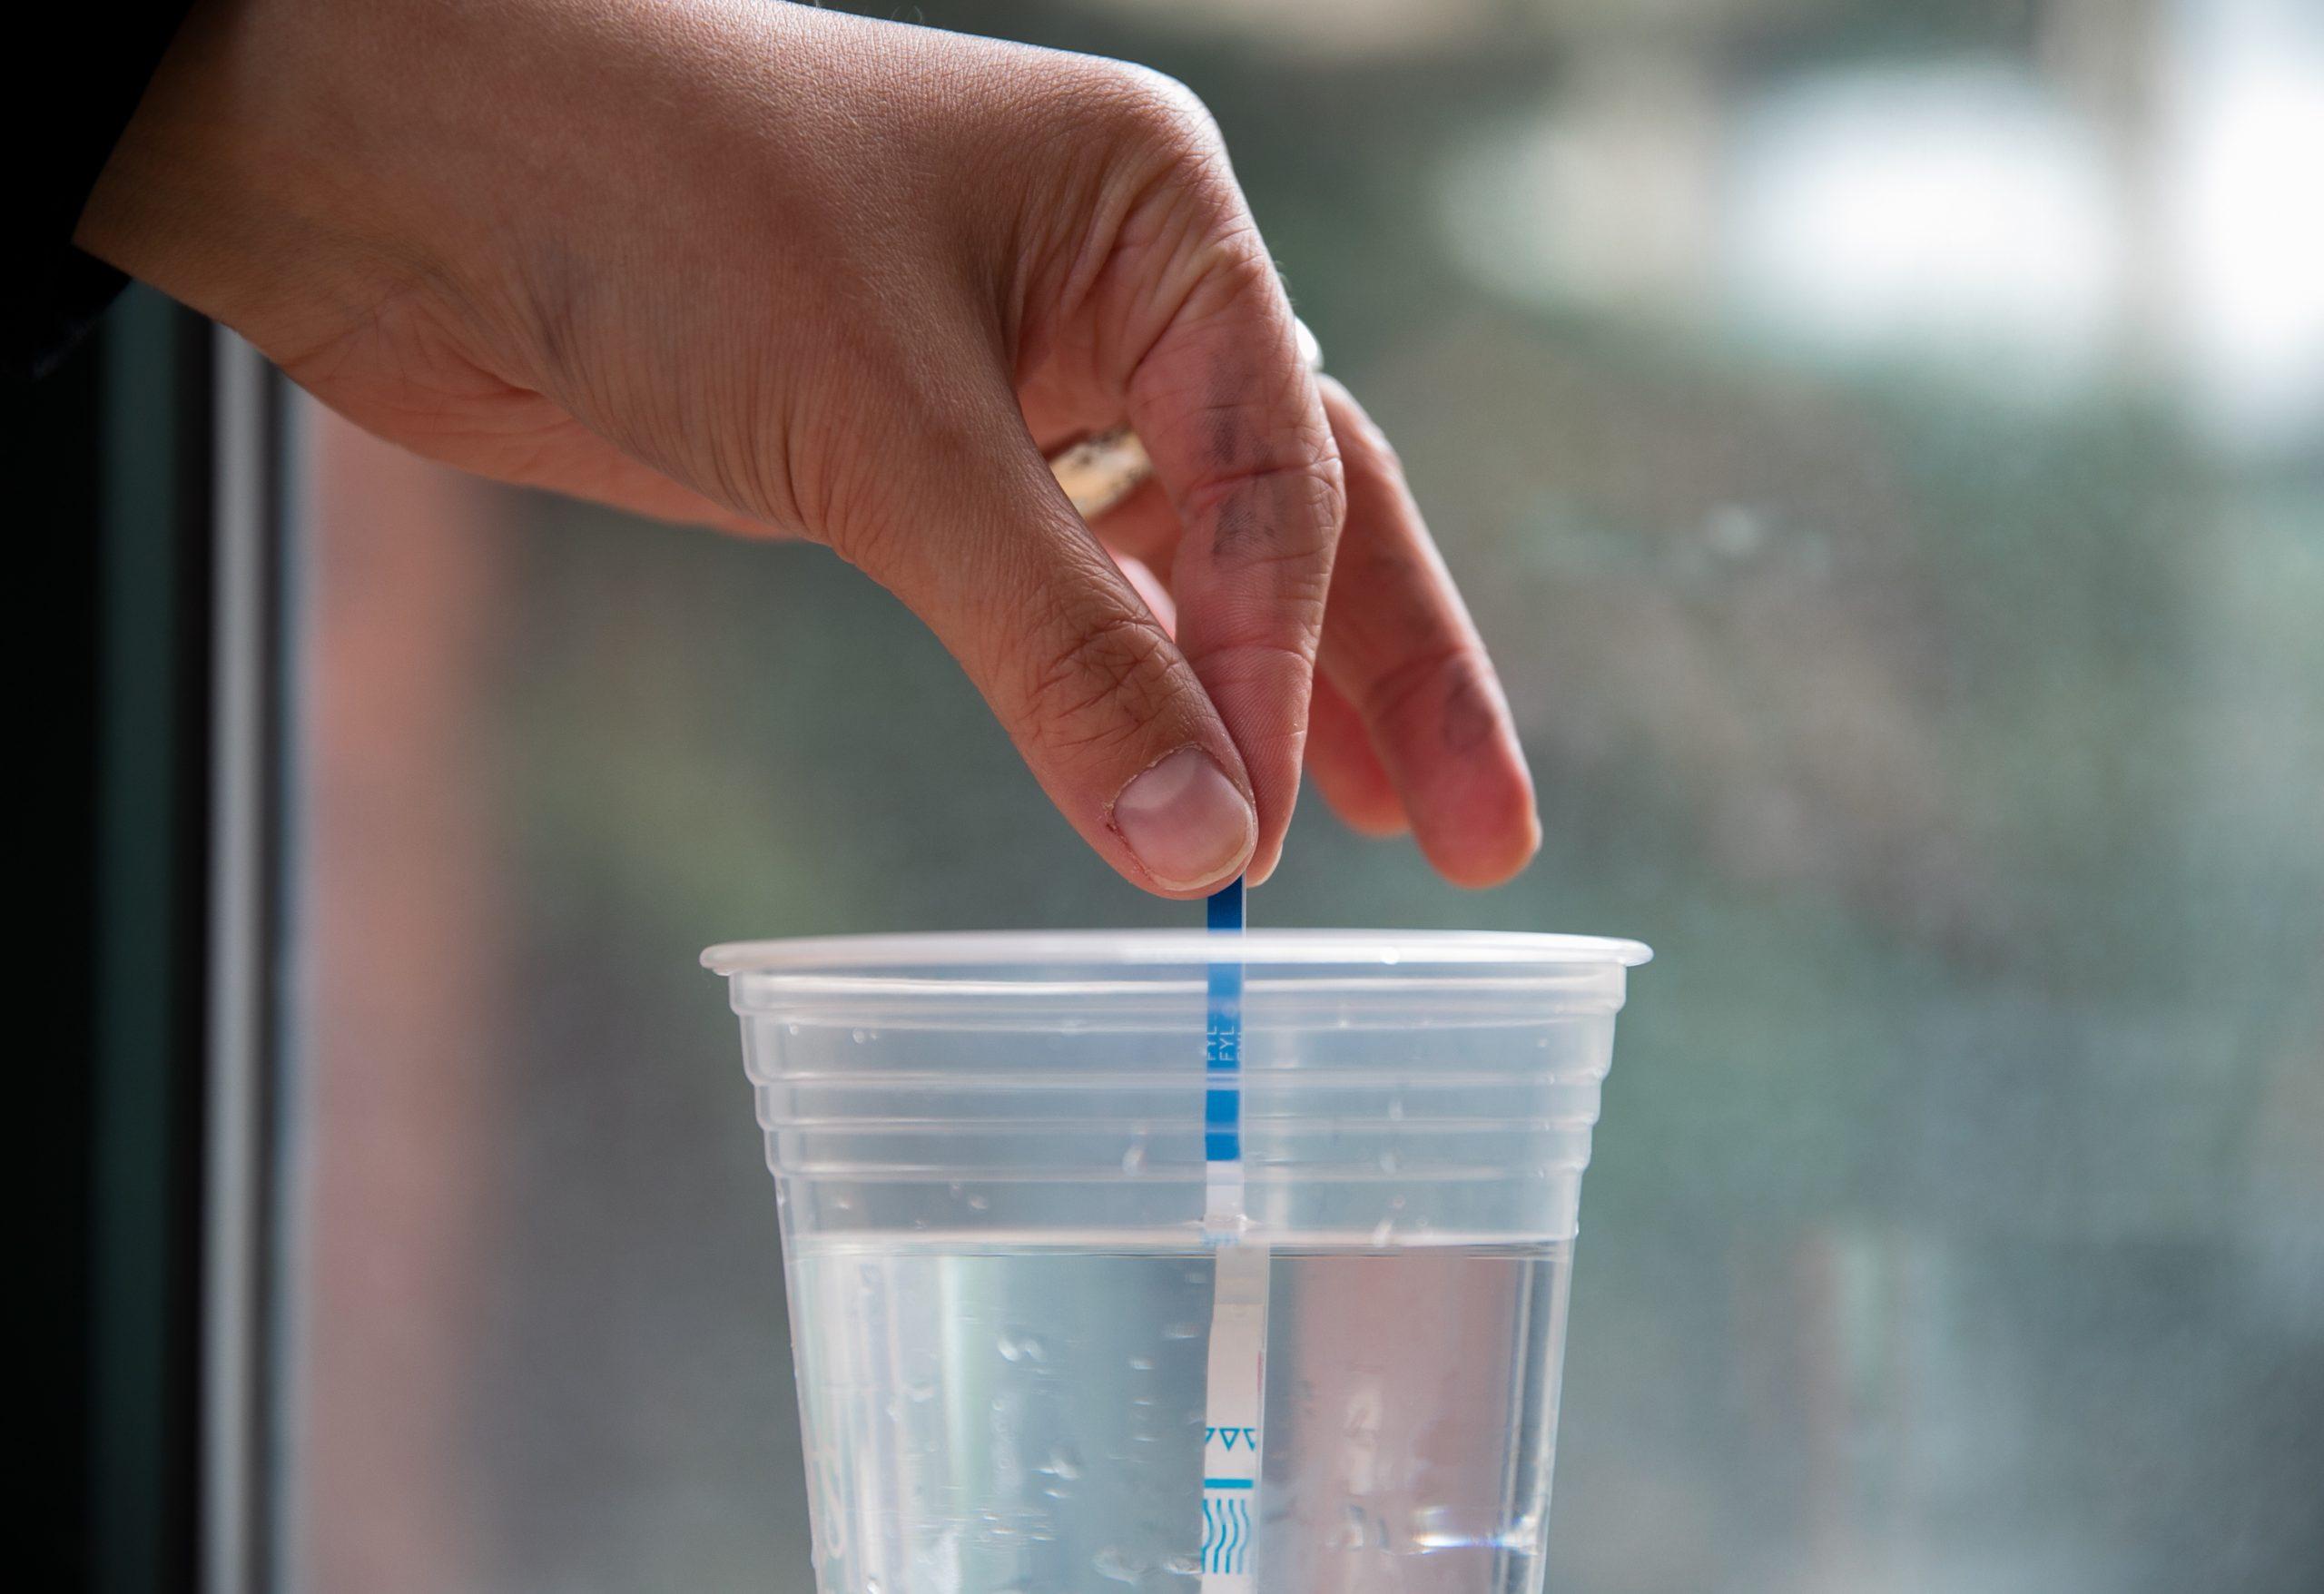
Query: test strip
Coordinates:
[1222,1100]
[1234,1398]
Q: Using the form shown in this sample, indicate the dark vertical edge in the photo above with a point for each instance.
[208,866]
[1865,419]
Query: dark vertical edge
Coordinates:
[148,972]
[56,425]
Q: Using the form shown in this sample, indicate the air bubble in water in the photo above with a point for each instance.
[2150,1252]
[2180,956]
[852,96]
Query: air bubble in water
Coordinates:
[1183,1565]
[1182,1330]
[1134,1158]
[1112,1563]
[1356,1530]
[1017,1345]
[1141,1363]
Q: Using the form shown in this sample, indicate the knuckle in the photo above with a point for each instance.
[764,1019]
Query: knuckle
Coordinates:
[1160,142]
[1436,683]
[1157,110]
[1280,515]
[1330,489]
[1242,277]
[1264,665]
[1110,678]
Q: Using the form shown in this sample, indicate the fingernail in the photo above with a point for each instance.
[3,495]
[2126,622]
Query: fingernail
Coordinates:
[1185,822]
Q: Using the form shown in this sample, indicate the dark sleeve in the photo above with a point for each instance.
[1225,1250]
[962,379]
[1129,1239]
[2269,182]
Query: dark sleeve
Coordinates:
[97,72]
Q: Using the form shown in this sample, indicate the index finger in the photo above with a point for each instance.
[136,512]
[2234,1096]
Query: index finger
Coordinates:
[1235,425]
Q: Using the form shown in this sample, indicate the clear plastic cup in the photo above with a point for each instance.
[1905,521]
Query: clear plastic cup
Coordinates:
[989,1155]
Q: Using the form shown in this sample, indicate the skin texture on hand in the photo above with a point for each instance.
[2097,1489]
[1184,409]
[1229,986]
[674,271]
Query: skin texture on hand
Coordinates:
[786,272]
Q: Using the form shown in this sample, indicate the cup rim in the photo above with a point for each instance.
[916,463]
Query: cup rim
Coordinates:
[982,950]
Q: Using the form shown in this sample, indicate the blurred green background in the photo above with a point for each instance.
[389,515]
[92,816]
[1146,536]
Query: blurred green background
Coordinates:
[1883,444]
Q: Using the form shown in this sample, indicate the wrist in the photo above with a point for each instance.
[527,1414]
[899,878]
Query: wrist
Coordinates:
[238,185]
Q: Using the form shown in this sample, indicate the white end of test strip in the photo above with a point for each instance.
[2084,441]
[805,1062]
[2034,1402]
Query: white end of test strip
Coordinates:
[1232,1437]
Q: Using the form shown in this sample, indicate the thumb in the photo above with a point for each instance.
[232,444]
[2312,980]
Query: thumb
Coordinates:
[977,540]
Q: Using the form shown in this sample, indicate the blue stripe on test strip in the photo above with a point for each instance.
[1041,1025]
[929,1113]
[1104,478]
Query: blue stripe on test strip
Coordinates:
[1222,1107]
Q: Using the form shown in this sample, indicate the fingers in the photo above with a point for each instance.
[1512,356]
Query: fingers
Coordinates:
[981,545]
[1402,650]
[1241,450]
[1152,588]
[1347,771]
[1143,534]
[1432,750]
[1143,526]
[1339,749]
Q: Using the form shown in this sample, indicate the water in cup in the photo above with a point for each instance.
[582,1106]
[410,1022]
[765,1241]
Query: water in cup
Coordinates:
[1025,1414]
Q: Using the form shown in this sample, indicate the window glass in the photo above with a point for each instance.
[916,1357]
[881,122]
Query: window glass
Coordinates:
[1884,447]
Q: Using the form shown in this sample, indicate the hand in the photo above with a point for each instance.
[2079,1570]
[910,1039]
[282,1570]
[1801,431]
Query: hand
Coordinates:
[784,272]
